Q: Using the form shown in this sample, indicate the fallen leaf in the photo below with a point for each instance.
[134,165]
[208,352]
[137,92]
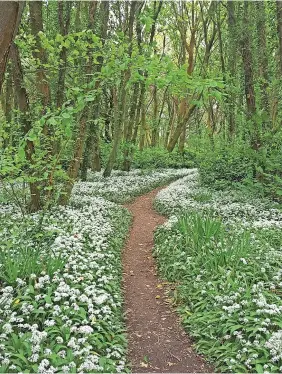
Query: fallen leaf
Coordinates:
[143,365]
[170,363]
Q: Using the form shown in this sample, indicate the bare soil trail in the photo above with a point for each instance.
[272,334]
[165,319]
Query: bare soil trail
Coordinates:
[157,342]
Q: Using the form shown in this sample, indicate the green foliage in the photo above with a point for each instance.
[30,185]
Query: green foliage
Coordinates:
[225,165]
[259,171]
[208,261]
[153,158]
[31,277]
[223,251]
[202,243]
[26,250]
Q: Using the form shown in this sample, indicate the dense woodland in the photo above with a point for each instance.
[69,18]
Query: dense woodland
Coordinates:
[102,102]
[91,84]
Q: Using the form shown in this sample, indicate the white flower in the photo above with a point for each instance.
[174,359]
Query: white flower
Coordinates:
[47,352]
[7,328]
[85,330]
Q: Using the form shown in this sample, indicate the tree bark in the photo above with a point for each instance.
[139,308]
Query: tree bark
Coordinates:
[122,98]
[82,130]
[179,128]
[129,134]
[23,105]
[262,57]
[8,95]
[279,30]
[93,137]
[10,17]
[231,64]
[64,24]
[39,54]
[155,130]
[249,79]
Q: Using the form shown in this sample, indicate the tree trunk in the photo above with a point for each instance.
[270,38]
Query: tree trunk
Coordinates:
[76,160]
[248,75]
[169,129]
[116,135]
[39,54]
[143,118]
[182,139]
[8,95]
[10,17]
[82,130]
[231,65]
[77,21]
[93,143]
[276,106]
[137,122]
[179,128]
[155,130]
[279,30]
[262,57]
[64,23]
[129,134]
[23,105]
[122,98]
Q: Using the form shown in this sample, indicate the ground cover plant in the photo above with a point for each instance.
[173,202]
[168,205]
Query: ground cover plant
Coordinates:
[124,186]
[60,278]
[223,248]
[60,289]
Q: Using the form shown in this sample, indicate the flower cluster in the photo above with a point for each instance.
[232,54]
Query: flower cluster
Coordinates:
[68,320]
[60,294]
[224,248]
[123,186]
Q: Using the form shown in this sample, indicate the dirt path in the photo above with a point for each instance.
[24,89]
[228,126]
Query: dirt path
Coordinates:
[157,342]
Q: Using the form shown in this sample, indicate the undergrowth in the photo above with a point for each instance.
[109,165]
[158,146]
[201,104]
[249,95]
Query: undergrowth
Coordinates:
[223,250]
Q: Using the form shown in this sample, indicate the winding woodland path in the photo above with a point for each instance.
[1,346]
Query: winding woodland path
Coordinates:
[157,342]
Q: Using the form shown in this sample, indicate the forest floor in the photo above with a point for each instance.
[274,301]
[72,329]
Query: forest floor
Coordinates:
[157,342]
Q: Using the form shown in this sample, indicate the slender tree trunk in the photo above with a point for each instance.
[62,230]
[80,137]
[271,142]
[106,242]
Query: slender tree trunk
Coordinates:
[279,30]
[118,125]
[77,21]
[143,119]
[262,56]
[116,135]
[185,110]
[122,98]
[182,139]
[108,118]
[93,143]
[179,128]
[276,106]
[96,157]
[128,149]
[155,131]
[137,121]
[249,80]
[169,129]
[231,63]
[82,130]
[23,105]
[36,23]
[64,23]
